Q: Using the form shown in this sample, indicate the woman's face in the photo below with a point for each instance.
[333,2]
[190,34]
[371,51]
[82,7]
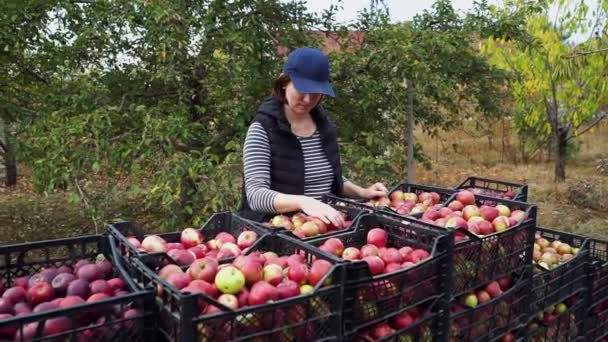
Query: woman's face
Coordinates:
[300,103]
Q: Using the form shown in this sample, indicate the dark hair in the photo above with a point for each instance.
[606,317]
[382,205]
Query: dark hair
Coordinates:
[278,88]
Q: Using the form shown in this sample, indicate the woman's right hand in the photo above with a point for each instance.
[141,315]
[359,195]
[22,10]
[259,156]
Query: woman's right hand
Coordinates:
[325,212]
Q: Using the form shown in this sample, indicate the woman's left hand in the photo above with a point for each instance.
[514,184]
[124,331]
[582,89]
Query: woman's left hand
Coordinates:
[376,190]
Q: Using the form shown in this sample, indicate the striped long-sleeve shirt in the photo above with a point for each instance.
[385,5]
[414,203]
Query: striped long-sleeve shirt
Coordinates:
[318,174]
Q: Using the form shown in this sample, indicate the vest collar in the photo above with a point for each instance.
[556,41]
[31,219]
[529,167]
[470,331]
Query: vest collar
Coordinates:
[272,107]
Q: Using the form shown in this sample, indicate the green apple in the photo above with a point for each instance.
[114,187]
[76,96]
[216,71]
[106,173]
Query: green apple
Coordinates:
[306,289]
[230,280]
[471,301]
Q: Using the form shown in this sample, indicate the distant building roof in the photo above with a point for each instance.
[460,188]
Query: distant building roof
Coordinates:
[332,41]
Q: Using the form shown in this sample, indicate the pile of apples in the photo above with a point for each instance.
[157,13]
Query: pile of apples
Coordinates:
[480,220]
[192,245]
[251,279]
[63,287]
[303,226]
[493,289]
[380,259]
[476,324]
[545,328]
[395,324]
[552,254]
[509,195]
[407,203]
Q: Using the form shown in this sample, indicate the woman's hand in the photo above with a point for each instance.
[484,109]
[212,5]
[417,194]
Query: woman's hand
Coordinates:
[325,212]
[374,191]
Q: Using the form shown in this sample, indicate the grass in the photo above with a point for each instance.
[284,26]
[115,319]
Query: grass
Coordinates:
[580,205]
[457,155]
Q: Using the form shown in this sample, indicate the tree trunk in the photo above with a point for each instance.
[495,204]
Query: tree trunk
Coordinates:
[8,155]
[561,141]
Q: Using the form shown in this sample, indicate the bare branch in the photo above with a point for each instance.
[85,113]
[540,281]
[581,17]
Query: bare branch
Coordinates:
[593,124]
[86,203]
[585,53]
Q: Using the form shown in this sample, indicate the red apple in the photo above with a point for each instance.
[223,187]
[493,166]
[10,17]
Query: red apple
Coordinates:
[309,229]
[61,281]
[252,270]
[493,289]
[503,210]
[321,226]
[377,237]
[179,280]
[470,211]
[15,294]
[488,213]
[246,239]
[181,256]
[273,274]
[174,245]
[168,270]
[391,255]
[455,206]
[318,270]
[203,269]
[287,289]
[465,197]
[382,330]
[191,237]
[505,283]
[40,292]
[335,245]
[298,273]
[369,250]
[485,228]
[261,292]
[483,297]
[351,253]
[198,251]
[154,244]
[101,286]
[79,287]
[500,223]
[403,321]
[375,264]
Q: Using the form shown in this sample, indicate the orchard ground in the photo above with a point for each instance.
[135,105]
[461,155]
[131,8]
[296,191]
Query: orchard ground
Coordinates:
[579,205]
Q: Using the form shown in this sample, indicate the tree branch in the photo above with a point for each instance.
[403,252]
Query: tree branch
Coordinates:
[585,53]
[3,148]
[86,203]
[593,124]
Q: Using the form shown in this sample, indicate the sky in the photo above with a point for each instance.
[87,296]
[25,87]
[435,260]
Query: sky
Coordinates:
[401,10]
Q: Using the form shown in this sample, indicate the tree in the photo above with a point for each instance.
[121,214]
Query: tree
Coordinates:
[154,93]
[556,97]
[437,52]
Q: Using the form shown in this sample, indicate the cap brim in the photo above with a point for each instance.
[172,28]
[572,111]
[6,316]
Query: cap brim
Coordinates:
[307,86]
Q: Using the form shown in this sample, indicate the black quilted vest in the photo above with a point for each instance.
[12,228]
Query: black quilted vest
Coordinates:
[286,156]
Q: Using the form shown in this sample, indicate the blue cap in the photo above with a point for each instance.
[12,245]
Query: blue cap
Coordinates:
[308,69]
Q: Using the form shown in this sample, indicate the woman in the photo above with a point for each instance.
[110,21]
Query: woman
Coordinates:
[291,155]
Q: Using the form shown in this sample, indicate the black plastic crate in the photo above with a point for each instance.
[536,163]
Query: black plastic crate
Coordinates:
[312,317]
[353,212]
[103,320]
[372,299]
[547,325]
[596,324]
[362,204]
[421,330]
[512,191]
[492,320]
[479,259]
[443,195]
[552,286]
[220,222]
